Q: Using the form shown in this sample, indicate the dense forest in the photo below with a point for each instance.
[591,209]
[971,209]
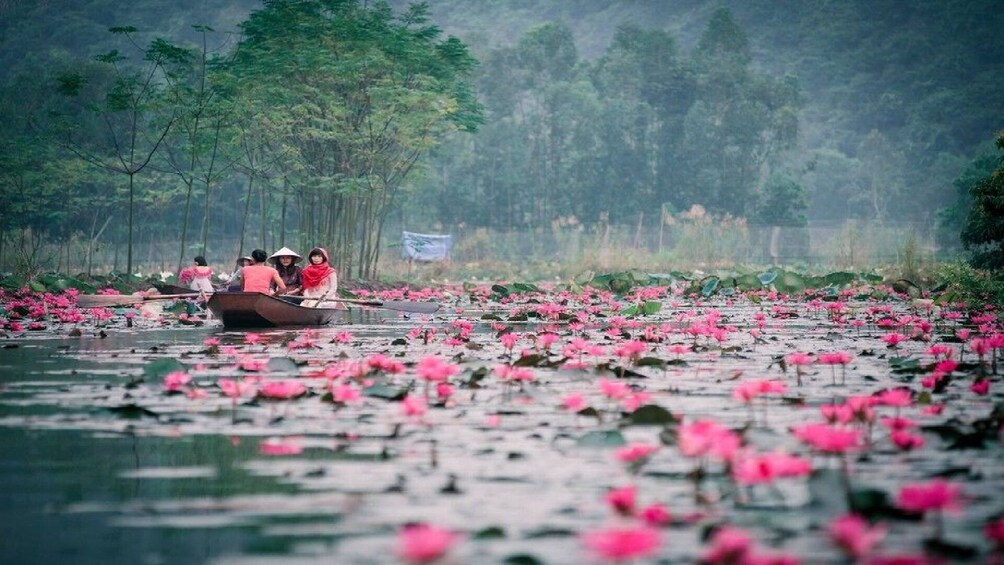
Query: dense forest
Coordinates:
[322,120]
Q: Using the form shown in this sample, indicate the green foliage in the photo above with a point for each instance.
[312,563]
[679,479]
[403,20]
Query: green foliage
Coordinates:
[952,219]
[354,99]
[984,229]
[782,203]
[590,120]
[976,287]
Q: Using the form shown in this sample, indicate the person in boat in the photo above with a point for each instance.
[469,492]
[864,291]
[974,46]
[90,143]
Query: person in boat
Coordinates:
[261,277]
[234,284]
[285,261]
[202,276]
[318,279]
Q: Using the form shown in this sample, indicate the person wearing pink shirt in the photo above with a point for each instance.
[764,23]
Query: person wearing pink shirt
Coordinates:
[259,277]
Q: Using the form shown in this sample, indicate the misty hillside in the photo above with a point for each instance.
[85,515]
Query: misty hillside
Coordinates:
[927,72]
[895,98]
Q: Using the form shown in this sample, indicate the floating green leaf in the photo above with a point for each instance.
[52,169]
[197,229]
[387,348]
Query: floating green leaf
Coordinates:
[160,367]
[601,438]
[709,285]
[650,415]
[748,282]
[767,278]
[386,392]
[840,278]
[651,307]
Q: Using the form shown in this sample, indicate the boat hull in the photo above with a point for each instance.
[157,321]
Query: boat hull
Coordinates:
[172,289]
[256,310]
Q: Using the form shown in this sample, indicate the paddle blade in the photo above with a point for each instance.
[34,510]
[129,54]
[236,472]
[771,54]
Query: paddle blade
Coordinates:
[408,306]
[109,300]
[399,305]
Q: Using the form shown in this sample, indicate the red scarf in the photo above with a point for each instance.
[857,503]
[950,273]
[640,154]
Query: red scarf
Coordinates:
[313,275]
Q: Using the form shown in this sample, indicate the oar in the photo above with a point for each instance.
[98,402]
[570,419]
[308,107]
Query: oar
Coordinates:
[108,300]
[399,305]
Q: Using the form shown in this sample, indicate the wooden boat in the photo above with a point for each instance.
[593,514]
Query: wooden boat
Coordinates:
[165,288]
[257,310]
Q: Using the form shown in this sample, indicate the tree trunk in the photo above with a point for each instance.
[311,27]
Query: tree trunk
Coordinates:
[282,221]
[184,226]
[244,220]
[262,213]
[129,238]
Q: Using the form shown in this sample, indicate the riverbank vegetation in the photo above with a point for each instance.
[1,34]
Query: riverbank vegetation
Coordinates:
[164,138]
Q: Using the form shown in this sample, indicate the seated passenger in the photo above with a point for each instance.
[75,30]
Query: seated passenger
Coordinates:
[234,284]
[285,261]
[259,277]
[319,280]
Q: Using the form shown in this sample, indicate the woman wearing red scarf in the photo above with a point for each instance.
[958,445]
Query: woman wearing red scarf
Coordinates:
[318,279]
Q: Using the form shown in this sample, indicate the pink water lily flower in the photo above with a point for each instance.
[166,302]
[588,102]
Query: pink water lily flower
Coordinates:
[613,389]
[233,389]
[937,494]
[898,423]
[622,500]
[281,390]
[631,350]
[707,437]
[414,406]
[546,340]
[509,340]
[994,531]
[800,361]
[767,467]
[514,374]
[748,390]
[828,439]
[345,394]
[837,413]
[635,452]
[381,362]
[176,381]
[424,543]
[623,543]
[897,397]
[635,400]
[981,387]
[893,339]
[435,369]
[729,545]
[854,535]
[444,391]
[252,365]
[655,515]
[279,446]
[574,402]
[905,440]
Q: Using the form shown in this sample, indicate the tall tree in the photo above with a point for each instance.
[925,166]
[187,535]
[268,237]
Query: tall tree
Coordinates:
[134,112]
[358,96]
[984,229]
[194,150]
[740,121]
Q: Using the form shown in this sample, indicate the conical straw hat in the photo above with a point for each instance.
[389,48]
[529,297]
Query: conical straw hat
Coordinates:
[284,252]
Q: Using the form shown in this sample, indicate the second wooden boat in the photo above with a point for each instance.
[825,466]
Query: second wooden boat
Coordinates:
[256,310]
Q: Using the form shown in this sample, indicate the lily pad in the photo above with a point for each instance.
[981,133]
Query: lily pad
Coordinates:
[601,438]
[650,415]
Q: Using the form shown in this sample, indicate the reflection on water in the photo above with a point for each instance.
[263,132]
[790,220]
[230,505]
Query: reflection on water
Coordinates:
[99,464]
[63,492]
